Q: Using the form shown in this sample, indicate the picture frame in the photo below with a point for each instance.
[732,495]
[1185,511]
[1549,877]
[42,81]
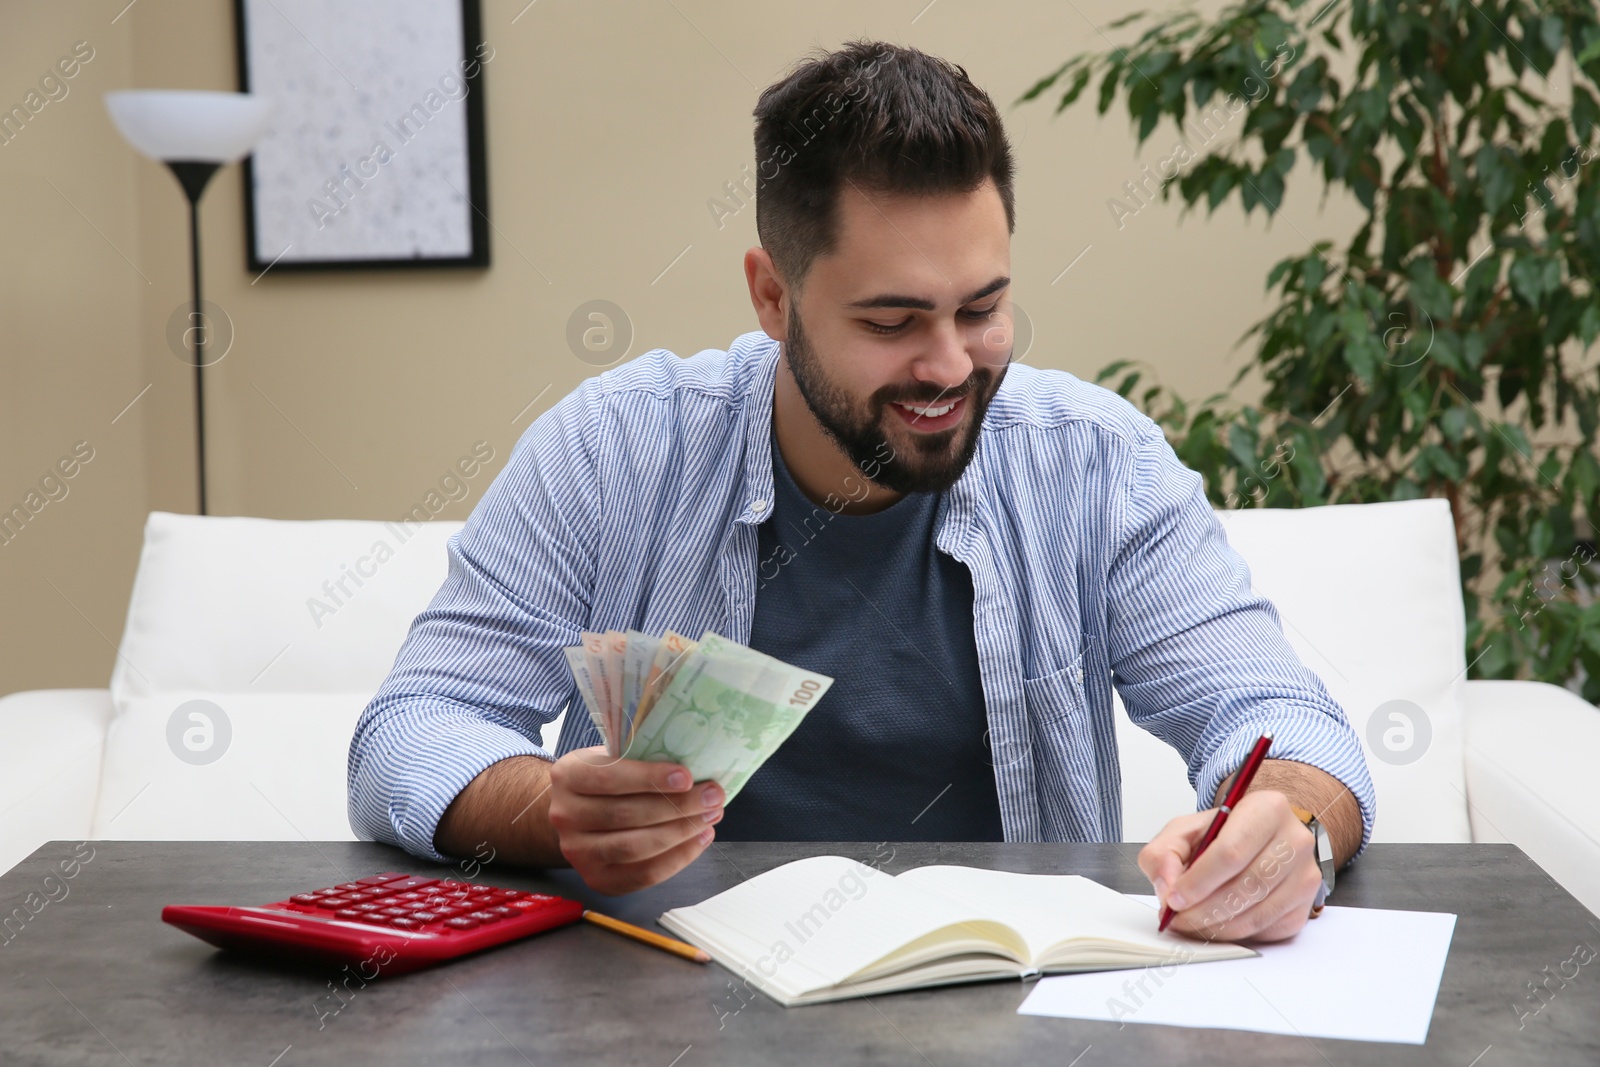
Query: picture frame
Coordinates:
[375,156]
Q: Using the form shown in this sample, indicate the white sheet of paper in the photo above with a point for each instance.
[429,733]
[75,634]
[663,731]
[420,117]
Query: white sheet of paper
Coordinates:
[1361,974]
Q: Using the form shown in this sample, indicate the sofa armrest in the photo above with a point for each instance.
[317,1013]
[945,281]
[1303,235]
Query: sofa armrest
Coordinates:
[51,744]
[1531,750]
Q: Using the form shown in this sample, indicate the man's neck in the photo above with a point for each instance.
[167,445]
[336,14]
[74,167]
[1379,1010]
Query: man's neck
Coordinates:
[816,463]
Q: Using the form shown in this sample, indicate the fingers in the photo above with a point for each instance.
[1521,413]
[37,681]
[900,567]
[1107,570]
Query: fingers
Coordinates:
[1164,858]
[1255,823]
[1257,879]
[579,811]
[592,772]
[627,824]
[1255,906]
[624,860]
[629,878]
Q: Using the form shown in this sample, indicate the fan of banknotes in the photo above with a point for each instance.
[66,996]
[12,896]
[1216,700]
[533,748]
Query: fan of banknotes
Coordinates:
[715,706]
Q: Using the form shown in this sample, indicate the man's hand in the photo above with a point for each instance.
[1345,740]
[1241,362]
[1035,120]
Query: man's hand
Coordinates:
[1256,880]
[626,824]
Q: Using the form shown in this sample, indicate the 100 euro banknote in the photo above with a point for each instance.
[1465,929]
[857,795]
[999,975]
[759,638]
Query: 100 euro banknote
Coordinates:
[725,712]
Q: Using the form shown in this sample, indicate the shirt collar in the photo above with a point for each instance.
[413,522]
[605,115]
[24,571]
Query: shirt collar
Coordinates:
[755,502]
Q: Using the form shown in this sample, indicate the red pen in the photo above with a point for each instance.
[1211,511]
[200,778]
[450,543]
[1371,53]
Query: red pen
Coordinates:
[1241,782]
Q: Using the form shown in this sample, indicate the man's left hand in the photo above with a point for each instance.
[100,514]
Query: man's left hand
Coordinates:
[1257,880]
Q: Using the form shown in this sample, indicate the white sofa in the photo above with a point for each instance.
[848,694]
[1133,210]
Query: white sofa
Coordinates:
[289,627]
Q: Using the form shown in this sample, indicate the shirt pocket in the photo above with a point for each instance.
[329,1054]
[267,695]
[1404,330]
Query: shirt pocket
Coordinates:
[1058,716]
[1056,697]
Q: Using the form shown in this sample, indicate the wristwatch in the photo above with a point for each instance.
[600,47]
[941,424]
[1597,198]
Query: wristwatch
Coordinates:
[1324,846]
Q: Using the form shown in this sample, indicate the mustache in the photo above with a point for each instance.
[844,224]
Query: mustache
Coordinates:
[926,396]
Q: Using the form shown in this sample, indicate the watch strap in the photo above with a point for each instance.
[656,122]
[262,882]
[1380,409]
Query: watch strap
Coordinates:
[1319,834]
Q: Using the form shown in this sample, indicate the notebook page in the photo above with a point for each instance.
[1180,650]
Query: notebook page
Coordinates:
[1047,909]
[831,916]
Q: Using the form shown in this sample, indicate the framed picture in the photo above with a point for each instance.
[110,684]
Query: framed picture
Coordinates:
[374,155]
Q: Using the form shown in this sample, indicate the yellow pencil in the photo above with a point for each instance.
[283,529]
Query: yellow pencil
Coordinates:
[665,944]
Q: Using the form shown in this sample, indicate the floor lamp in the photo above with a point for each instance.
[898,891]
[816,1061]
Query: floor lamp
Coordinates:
[194,133]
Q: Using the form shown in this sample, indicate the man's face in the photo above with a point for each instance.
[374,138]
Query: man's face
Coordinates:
[907,332]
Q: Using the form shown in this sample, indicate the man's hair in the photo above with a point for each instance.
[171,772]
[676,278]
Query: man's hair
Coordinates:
[890,120]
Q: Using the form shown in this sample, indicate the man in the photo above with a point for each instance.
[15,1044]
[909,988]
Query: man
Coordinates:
[867,488]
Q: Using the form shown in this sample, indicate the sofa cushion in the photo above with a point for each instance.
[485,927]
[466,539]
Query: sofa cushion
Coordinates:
[263,605]
[1370,599]
[1530,758]
[236,766]
[49,767]
[197,765]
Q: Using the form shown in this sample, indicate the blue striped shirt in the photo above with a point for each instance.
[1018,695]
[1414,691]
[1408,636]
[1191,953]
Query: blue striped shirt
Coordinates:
[633,503]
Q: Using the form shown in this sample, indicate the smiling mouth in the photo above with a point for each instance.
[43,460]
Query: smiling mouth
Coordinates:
[932,417]
[930,412]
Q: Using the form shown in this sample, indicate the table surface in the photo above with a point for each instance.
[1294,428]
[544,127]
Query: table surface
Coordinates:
[94,977]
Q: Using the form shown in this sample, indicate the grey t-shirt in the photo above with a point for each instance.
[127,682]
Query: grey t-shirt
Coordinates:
[896,750]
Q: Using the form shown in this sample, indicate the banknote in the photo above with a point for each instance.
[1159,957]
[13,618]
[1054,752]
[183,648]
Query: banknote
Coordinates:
[726,711]
[714,705]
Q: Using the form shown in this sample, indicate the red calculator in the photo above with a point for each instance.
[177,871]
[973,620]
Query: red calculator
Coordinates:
[393,922]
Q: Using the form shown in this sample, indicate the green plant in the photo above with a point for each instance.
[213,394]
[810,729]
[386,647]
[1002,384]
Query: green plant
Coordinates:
[1427,356]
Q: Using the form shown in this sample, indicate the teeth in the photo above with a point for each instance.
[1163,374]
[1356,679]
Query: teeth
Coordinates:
[943,409]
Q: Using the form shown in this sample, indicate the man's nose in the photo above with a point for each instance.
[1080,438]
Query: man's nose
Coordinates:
[946,361]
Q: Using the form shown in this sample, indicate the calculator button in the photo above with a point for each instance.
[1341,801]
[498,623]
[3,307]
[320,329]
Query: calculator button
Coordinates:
[380,879]
[349,913]
[410,883]
[426,916]
[451,885]
[504,912]
[462,923]
[485,916]
[408,896]
[404,922]
[513,894]
[393,913]
[305,898]
[362,909]
[331,903]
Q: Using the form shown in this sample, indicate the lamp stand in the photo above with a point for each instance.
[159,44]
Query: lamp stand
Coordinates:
[194,176]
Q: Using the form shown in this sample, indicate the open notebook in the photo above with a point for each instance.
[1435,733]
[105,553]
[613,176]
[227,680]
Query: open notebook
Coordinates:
[828,928]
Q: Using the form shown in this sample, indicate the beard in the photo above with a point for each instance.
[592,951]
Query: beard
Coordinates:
[932,462]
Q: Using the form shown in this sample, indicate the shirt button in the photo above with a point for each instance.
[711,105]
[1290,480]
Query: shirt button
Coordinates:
[758,506]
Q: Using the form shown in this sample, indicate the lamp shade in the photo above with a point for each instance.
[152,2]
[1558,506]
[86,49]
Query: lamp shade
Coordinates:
[191,125]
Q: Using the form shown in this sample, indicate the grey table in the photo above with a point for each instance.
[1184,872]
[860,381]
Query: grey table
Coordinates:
[94,977]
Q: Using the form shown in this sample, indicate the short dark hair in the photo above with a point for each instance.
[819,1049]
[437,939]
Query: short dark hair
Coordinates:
[888,118]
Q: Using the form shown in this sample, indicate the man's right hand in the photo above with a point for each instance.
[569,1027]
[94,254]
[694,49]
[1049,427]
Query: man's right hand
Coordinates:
[627,824]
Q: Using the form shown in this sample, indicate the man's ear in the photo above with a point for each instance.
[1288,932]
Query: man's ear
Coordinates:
[769,293]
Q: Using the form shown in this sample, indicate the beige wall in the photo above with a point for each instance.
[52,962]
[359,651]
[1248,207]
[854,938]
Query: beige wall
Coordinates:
[609,127]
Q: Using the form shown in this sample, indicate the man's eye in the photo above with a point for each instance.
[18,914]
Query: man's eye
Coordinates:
[973,314]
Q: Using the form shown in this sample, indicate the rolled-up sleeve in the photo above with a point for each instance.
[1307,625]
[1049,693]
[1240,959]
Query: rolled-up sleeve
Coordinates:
[481,670]
[1199,658]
